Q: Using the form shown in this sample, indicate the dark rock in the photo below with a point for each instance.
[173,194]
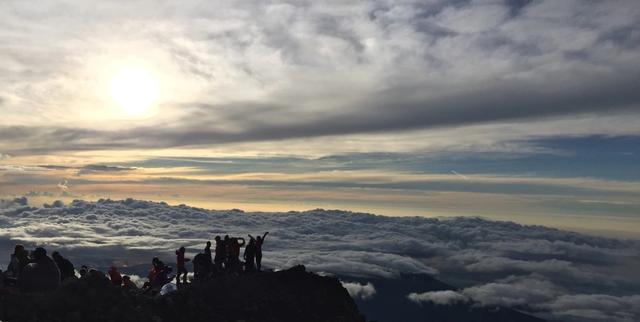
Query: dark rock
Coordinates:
[290,295]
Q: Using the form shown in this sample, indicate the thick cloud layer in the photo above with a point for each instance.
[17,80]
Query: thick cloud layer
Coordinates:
[537,269]
[536,293]
[264,71]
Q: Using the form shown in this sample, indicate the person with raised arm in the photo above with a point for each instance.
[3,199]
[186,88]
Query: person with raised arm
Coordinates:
[259,242]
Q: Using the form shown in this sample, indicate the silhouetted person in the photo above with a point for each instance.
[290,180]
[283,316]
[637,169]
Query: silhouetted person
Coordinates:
[95,275]
[19,259]
[128,284]
[158,276]
[220,253]
[163,277]
[234,253]
[259,242]
[114,276]
[84,271]
[227,242]
[200,267]
[40,275]
[151,275]
[207,260]
[65,266]
[156,264]
[249,256]
[207,251]
[181,260]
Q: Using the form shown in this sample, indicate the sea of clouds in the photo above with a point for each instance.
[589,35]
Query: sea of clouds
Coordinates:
[545,271]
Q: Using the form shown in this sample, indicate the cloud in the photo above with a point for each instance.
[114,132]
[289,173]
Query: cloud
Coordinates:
[11,204]
[237,78]
[64,186]
[533,268]
[438,297]
[98,168]
[21,168]
[361,291]
[33,193]
[538,294]
[596,307]
[513,292]
[139,281]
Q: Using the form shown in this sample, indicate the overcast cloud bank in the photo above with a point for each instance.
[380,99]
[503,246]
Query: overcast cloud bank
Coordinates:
[265,71]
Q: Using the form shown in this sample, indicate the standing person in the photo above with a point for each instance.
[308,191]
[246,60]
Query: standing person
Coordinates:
[181,260]
[259,242]
[234,253]
[225,256]
[220,254]
[114,275]
[249,256]
[19,259]
[207,251]
[208,261]
[66,267]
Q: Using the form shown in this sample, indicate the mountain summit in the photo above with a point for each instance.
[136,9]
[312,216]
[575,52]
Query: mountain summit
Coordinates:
[289,295]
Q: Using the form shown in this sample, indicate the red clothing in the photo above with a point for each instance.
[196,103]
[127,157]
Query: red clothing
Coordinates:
[180,259]
[152,274]
[116,278]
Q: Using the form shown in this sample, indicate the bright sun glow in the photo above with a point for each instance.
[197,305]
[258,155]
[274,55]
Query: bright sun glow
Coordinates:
[135,90]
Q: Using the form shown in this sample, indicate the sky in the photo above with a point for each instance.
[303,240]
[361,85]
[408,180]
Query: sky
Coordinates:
[527,111]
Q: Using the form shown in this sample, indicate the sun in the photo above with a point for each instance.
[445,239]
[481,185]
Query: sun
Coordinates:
[134,90]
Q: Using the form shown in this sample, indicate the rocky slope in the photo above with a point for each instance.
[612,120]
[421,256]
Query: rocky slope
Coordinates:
[291,295]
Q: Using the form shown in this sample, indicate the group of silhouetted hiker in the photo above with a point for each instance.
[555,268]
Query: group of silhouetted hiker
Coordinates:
[36,271]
